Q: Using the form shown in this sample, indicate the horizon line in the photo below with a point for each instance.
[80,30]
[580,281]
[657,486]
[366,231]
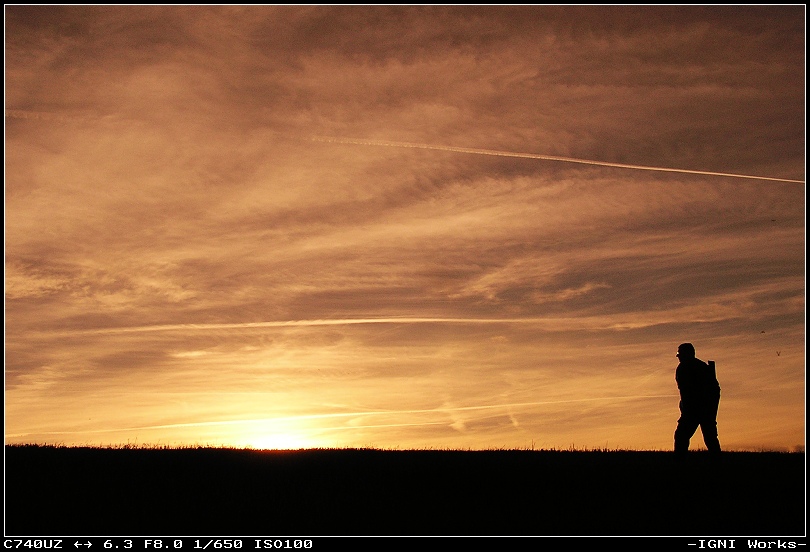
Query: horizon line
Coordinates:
[438,410]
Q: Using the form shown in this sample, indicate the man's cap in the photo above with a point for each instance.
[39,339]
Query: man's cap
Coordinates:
[687,349]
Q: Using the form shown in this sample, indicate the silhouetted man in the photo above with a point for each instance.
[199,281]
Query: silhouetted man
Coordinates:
[700,398]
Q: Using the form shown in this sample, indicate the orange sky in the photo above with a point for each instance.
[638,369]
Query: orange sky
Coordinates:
[402,227]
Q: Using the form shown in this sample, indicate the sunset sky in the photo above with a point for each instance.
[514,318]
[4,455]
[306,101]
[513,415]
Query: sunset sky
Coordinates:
[402,226]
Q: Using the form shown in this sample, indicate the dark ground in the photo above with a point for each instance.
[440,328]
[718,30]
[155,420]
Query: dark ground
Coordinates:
[61,491]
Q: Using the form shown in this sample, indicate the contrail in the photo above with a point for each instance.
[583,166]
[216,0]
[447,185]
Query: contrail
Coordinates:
[477,151]
[551,322]
[293,323]
[284,419]
[46,116]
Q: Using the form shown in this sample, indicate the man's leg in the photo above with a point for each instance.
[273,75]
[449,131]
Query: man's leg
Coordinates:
[708,426]
[687,425]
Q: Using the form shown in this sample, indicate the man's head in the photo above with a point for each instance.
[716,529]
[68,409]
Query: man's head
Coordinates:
[686,351]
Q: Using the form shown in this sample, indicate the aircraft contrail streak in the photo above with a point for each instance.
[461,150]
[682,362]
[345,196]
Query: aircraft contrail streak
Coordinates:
[348,415]
[46,116]
[293,323]
[477,151]
[551,322]
[39,115]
